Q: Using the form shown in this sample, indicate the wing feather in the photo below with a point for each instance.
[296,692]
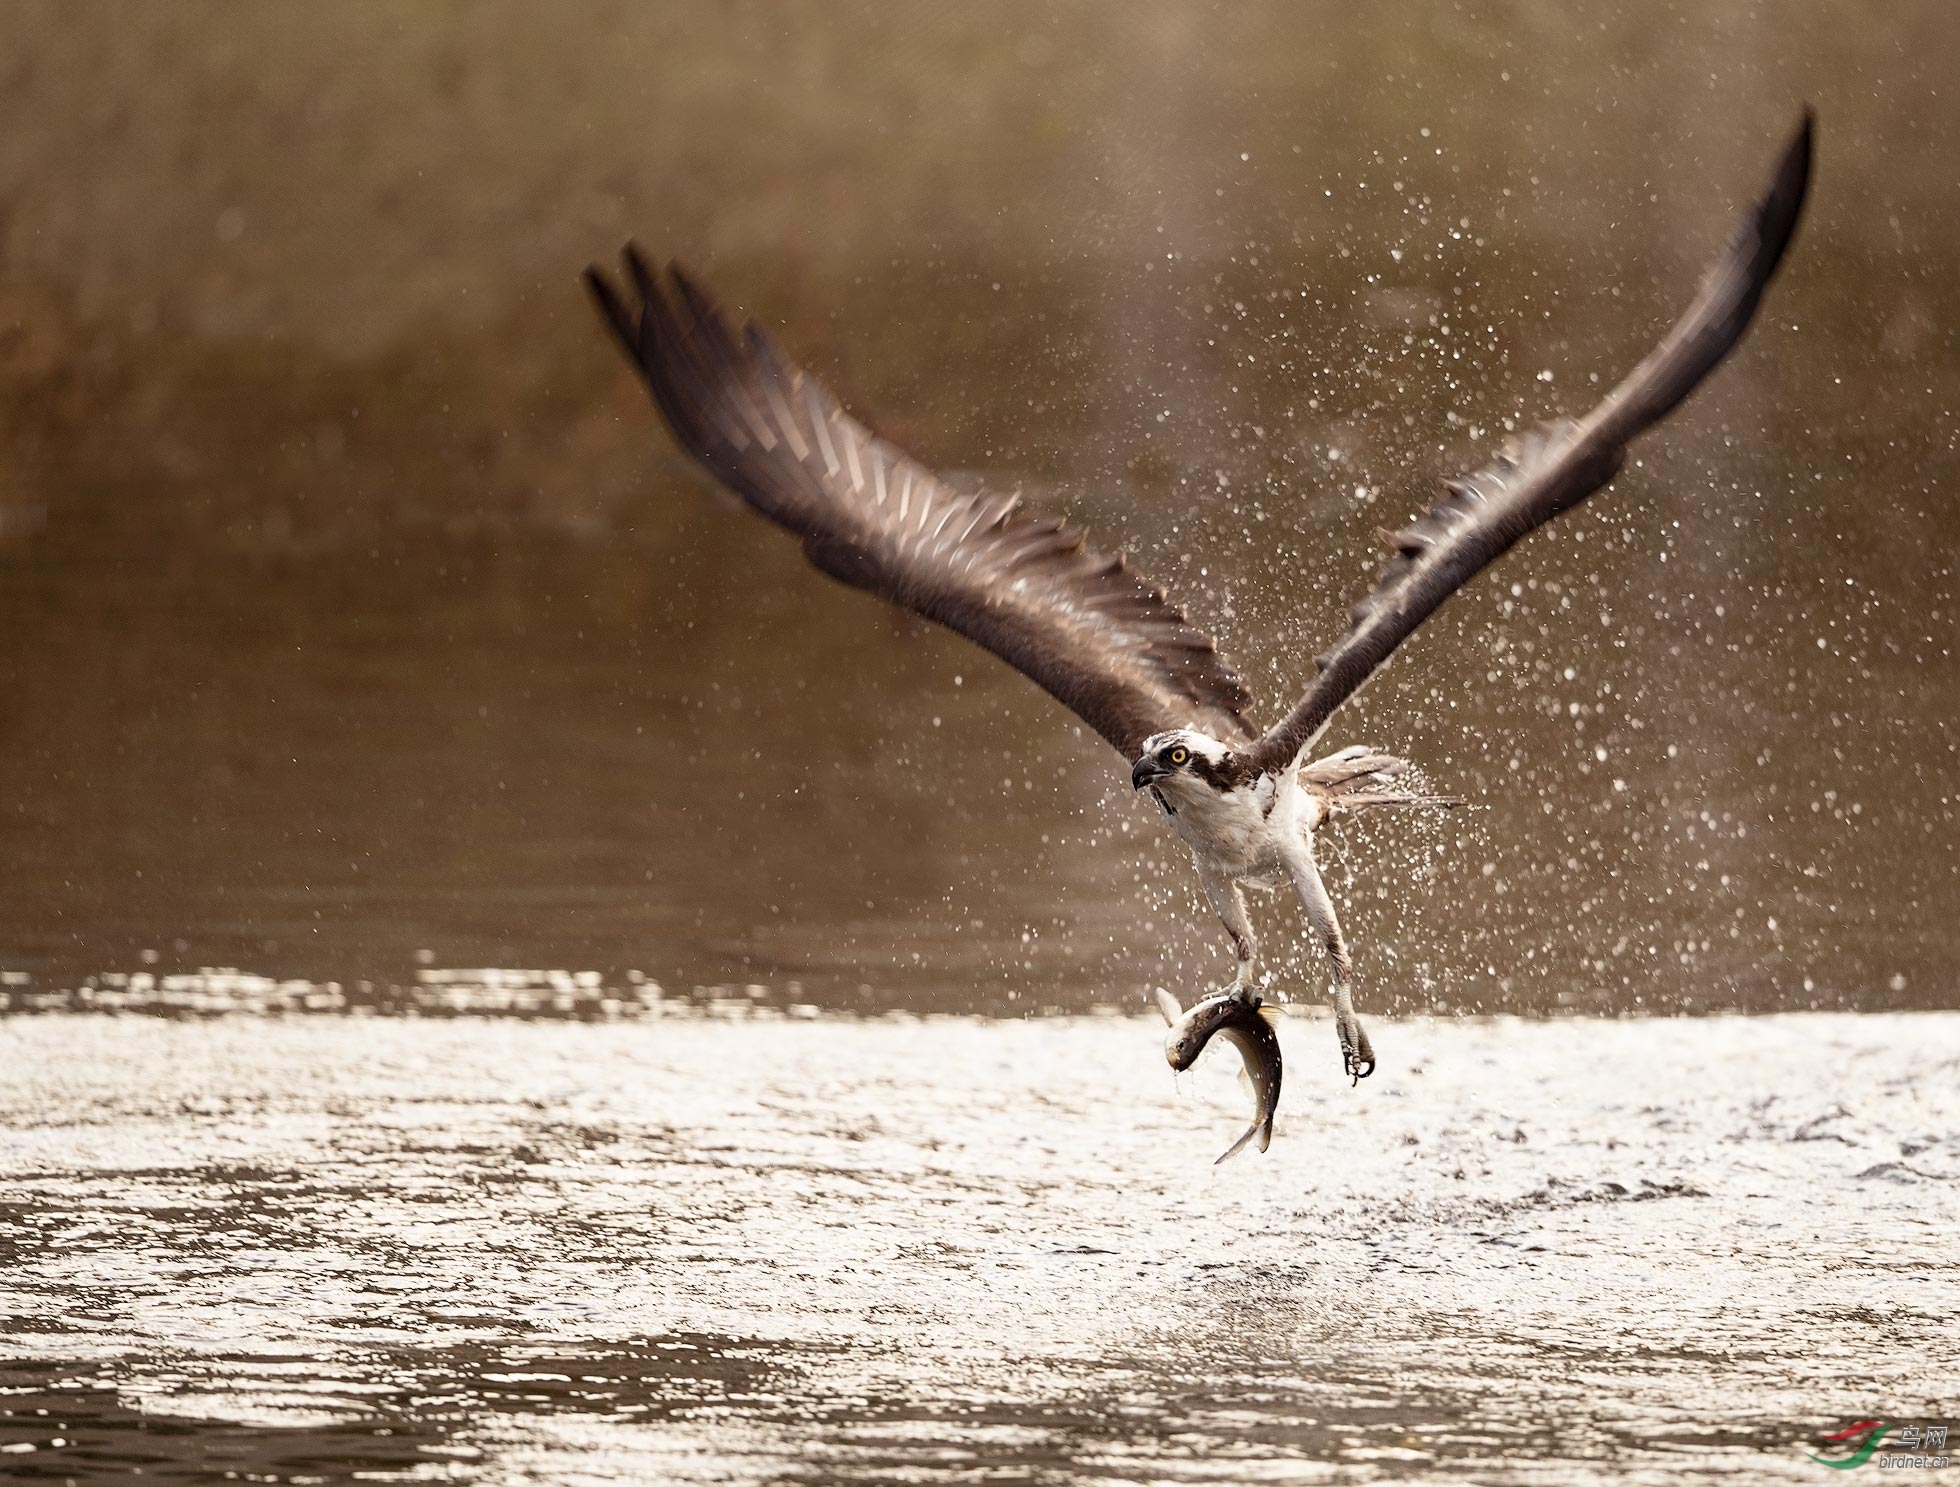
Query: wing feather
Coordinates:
[1098,638]
[1552,469]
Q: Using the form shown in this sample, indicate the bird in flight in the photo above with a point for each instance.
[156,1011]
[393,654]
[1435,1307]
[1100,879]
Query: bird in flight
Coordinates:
[1105,642]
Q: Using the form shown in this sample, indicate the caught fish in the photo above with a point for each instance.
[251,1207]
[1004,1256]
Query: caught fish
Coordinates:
[1247,1024]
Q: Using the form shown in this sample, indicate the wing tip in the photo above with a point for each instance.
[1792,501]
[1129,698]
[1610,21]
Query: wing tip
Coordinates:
[612,307]
[693,294]
[1782,206]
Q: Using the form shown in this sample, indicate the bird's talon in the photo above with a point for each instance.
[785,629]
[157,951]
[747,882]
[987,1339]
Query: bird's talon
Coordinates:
[1357,1054]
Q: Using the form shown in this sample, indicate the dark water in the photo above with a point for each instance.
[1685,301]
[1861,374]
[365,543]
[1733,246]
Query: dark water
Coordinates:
[353,606]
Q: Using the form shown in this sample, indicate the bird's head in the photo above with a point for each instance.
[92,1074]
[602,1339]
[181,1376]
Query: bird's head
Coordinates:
[1183,756]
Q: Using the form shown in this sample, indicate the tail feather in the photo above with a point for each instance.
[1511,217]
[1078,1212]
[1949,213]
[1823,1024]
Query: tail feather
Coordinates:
[1359,777]
[1356,799]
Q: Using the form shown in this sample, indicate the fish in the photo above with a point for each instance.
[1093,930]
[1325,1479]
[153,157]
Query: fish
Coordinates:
[1245,1022]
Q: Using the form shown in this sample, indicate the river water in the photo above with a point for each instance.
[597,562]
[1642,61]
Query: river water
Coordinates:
[751,1246]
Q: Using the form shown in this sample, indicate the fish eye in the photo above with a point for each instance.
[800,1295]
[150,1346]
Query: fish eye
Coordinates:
[1180,755]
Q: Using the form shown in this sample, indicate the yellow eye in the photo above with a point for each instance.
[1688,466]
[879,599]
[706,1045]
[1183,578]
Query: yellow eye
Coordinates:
[1180,754]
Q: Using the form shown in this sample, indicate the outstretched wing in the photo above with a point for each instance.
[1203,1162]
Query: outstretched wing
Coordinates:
[1100,639]
[1553,469]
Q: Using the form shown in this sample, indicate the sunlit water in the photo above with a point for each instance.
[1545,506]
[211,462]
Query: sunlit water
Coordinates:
[758,1248]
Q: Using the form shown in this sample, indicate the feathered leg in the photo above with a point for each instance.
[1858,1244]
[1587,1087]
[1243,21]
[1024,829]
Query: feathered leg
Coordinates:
[1357,1054]
[1228,903]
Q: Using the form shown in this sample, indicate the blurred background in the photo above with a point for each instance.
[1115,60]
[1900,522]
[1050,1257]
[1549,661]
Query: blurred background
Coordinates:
[358,618]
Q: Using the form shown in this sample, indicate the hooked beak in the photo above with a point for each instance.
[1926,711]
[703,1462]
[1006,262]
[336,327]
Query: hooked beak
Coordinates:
[1147,771]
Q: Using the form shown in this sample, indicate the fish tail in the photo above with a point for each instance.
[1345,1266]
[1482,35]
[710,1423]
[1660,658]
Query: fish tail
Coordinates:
[1263,1129]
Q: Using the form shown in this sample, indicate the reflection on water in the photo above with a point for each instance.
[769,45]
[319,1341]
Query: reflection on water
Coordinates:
[944,1250]
[435,992]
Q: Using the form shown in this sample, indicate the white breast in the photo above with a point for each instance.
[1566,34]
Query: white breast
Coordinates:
[1236,833]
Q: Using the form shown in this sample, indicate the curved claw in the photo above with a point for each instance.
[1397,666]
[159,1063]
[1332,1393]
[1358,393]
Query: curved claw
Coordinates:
[1357,1053]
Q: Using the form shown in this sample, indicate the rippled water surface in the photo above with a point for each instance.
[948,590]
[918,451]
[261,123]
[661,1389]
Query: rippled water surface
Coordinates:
[702,1249]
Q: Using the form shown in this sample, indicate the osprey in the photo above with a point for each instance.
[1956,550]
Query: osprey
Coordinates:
[1106,643]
